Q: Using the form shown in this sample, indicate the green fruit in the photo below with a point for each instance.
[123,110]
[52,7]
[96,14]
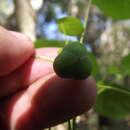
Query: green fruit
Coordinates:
[73,62]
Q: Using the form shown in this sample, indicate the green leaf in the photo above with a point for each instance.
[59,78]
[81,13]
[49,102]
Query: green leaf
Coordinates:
[117,9]
[95,66]
[125,65]
[70,26]
[113,102]
[48,43]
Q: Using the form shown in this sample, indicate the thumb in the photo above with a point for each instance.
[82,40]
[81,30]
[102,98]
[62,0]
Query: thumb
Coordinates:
[15,49]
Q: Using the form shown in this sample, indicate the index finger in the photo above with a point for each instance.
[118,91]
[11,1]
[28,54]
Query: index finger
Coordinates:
[15,49]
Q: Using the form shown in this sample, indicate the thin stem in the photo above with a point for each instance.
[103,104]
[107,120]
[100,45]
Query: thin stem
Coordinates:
[69,124]
[66,39]
[86,21]
[49,128]
[45,58]
[74,124]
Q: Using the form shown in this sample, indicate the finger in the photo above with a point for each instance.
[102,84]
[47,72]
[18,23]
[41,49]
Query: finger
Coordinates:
[15,49]
[32,70]
[49,101]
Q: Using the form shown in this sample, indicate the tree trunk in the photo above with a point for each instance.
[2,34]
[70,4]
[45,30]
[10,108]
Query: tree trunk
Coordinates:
[25,18]
[73,8]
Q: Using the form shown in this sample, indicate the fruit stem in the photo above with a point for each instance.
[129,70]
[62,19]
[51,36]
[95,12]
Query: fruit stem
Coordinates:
[66,39]
[69,124]
[74,123]
[86,21]
[45,58]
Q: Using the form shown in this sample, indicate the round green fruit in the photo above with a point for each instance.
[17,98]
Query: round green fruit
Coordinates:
[73,62]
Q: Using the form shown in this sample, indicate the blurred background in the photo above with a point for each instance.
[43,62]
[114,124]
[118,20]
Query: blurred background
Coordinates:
[108,40]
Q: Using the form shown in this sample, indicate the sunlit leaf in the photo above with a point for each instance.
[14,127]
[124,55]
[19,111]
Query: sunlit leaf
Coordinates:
[70,26]
[117,9]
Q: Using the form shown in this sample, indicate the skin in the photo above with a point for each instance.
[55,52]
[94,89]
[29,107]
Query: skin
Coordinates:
[32,96]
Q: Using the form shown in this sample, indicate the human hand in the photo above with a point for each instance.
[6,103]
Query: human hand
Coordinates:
[32,96]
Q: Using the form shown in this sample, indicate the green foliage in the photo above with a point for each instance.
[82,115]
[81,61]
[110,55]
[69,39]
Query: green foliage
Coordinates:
[123,69]
[113,102]
[73,62]
[70,26]
[48,43]
[125,65]
[117,9]
[112,69]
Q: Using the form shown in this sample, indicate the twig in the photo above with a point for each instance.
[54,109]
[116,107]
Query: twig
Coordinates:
[44,58]
[86,21]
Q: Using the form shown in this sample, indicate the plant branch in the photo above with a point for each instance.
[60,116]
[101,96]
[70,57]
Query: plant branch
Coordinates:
[86,21]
